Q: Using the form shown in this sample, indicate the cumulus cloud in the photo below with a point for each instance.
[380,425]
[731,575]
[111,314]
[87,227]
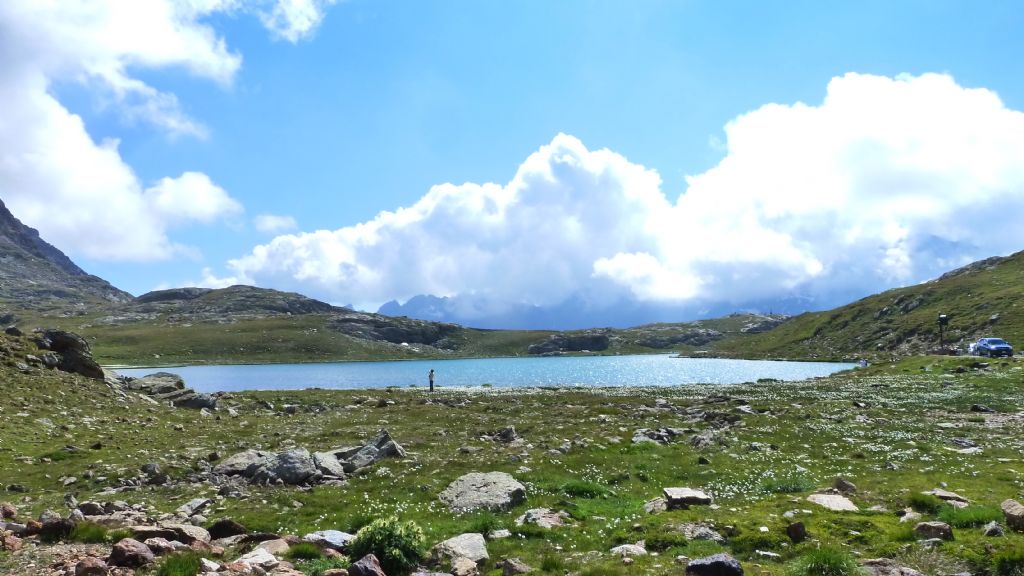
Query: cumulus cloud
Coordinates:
[273,224]
[887,181]
[79,192]
[293,20]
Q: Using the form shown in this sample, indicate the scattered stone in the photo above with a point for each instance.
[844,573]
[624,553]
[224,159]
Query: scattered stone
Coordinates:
[499,534]
[9,542]
[797,532]
[950,497]
[366,566]
[716,565]
[8,511]
[193,507]
[844,486]
[929,530]
[543,517]
[698,531]
[833,502]
[887,567]
[277,547]
[628,550]
[981,408]
[685,497]
[507,434]
[91,566]
[470,545]
[496,491]
[334,539]
[656,505]
[259,557]
[512,566]
[130,554]
[207,565]
[992,529]
[464,567]
[224,528]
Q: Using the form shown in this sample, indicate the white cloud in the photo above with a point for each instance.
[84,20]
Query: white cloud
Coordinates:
[293,20]
[80,193]
[274,224]
[191,196]
[887,181]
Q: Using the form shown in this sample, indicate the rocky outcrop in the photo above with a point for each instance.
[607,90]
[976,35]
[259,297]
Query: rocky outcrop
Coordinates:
[716,565]
[692,337]
[395,330]
[168,387]
[67,351]
[298,466]
[496,491]
[593,341]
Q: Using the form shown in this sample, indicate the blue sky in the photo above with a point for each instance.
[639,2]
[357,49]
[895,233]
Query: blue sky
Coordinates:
[373,102]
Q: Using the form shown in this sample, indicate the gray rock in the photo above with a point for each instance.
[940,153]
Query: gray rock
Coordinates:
[629,550]
[194,506]
[334,539]
[496,491]
[470,545]
[329,464]
[513,566]
[91,566]
[697,531]
[292,466]
[366,566]
[685,497]
[833,502]
[241,462]
[887,567]
[992,529]
[543,517]
[716,565]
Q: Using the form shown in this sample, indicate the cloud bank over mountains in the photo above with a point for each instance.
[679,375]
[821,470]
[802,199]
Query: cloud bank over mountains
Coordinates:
[887,181]
[49,160]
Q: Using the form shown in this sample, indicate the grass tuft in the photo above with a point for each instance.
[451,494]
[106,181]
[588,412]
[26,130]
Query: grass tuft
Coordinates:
[89,533]
[787,485]
[1009,562]
[969,517]
[925,503]
[584,489]
[825,561]
[304,551]
[552,563]
[181,564]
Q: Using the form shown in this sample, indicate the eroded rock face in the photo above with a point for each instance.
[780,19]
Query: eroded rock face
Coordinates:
[593,341]
[71,352]
[496,491]
[169,387]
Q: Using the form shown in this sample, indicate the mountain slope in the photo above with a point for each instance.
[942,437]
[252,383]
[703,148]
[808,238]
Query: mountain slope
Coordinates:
[985,298]
[35,274]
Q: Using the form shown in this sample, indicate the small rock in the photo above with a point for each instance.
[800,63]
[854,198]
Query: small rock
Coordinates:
[464,567]
[844,486]
[656,505]
[797,532]
[8,511]
[992,529]
[334,539]
[512,566]
[928,530]
[629,550]
[366,566]
[226,527]
[833,502]
[716,565]
[91,566]
[470,545]
[1014,513]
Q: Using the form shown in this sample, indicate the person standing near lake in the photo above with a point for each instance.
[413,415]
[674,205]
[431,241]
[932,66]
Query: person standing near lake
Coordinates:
[430,377]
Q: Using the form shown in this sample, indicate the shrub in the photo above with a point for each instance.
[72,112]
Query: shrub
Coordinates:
[1009,562]
[970,516]
[182,564]
[825,561]
[925,503]
[398,545]
[88,533]
[304,551]
[584,489]
[357,522]
[787,485]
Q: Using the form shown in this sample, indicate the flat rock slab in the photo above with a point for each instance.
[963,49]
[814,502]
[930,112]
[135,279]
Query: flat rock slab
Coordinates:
[629,550]
[335,539]
[887,567]
[496,491]
[833,502]
[543,517]
[685,497]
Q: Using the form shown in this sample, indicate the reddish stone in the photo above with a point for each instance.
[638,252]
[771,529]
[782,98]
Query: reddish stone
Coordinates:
[8,511]
[130,553]
[10,542]
[91,567]
[366,566]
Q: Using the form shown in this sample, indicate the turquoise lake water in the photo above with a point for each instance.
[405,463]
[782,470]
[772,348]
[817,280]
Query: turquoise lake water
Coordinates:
[639,370]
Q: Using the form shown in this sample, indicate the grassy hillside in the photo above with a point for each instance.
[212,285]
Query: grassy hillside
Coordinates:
[983,299]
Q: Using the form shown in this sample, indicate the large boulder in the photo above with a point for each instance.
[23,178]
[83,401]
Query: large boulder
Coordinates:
[927,530]
[334,539]
[496,491]
[241,462]
[293,467]
[170,387]
[685,497]
[73,353]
